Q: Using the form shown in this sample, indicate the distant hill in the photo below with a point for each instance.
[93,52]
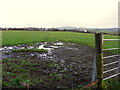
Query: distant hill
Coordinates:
[106,29]
[90,29]
[66,27]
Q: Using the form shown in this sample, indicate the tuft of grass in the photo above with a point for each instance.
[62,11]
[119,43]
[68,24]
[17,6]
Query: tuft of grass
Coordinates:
[51,65]
[112,83]
[56,76]
[30,50]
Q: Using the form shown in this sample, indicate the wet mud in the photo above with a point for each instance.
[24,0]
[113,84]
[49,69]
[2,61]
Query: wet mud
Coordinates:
[66,65]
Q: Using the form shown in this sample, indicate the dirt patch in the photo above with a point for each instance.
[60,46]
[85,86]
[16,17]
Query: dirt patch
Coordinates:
[69,66]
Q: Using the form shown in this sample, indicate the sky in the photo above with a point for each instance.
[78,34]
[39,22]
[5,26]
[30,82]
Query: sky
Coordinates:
[57,13]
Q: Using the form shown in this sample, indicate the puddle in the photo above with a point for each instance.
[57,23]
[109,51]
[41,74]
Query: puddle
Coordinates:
[57,51]
[6,50]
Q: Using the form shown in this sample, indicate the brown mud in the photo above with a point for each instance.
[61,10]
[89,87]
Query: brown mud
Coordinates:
[69,66]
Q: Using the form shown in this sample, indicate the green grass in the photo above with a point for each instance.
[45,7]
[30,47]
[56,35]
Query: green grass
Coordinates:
[18,71]
[28,37]
[29,50]
[112,84]
[15,72]
[10,38]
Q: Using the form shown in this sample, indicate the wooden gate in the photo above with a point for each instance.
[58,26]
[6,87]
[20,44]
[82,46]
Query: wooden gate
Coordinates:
[98,66]
[99,41]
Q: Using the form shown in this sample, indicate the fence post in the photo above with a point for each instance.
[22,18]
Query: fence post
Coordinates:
[99,58]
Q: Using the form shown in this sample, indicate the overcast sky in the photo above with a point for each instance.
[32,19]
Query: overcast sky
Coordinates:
[56,13]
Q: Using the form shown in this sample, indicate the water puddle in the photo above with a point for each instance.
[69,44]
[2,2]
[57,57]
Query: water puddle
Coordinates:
[7,50]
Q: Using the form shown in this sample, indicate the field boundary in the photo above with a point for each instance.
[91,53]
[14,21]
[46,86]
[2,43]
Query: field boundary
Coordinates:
[98,64]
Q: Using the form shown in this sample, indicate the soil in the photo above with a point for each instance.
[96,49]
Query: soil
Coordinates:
[69,66]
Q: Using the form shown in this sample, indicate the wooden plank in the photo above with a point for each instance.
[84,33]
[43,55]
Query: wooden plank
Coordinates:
[111,49]
[110,63]
[111,56]
[110,70]
[91,84]
[111,76]
[111,39]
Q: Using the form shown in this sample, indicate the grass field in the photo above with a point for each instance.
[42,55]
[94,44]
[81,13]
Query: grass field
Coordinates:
[17,71]
[10,38]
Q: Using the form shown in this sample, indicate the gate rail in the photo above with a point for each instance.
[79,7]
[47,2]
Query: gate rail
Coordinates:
[99,40]
[98,65]
[118,55]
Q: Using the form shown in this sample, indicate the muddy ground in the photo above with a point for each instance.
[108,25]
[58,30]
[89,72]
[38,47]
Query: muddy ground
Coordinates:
[68,66]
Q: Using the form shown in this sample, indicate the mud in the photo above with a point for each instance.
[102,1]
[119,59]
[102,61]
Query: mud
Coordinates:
[76,60]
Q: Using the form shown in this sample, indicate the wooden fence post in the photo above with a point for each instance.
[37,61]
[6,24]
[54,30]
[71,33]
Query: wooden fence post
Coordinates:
[99,58]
